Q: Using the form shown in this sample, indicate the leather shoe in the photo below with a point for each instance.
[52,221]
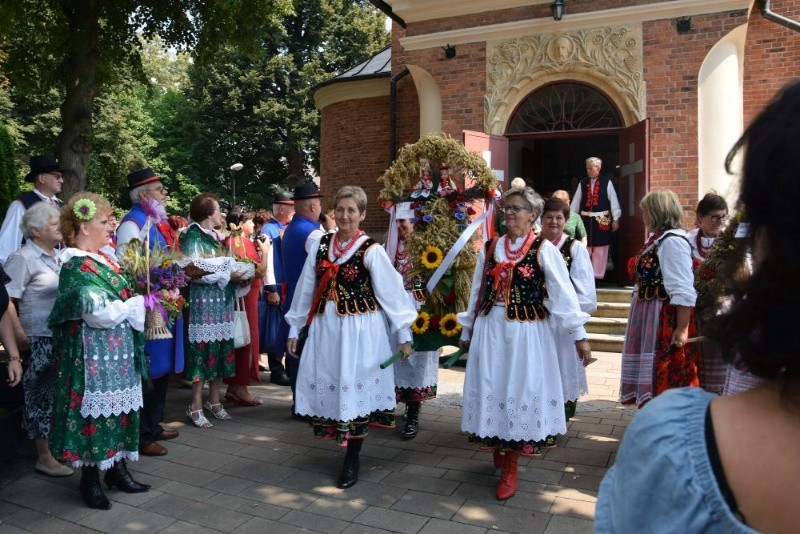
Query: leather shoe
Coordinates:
[280,378]
[168,433]
[60,471]
[153,449]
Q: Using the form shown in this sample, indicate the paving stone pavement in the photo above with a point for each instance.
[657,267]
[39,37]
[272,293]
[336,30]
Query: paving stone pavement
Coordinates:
[264,472]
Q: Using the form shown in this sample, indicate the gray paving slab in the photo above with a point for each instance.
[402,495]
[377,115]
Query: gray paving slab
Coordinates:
[264,472]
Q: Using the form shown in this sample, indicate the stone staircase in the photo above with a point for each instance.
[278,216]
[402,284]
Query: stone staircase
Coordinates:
[606,328]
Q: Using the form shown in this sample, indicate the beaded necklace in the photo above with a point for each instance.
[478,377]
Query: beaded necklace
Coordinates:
[516,255]
[109,261]
[340,250]
[701,250]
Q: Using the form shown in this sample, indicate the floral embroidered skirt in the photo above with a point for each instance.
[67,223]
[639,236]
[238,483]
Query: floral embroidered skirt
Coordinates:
[340,431]
[650,365]
[80,440]
[513,397]
[209,341]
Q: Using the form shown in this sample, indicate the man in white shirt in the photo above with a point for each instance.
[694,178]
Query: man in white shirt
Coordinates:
[47,179]
[596,201]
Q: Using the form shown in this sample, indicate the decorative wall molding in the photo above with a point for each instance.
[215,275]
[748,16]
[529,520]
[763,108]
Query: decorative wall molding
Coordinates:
[417,10]
[630,15]
[609,59]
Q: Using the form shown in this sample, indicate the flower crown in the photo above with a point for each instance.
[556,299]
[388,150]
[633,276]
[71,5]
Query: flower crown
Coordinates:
[84,209]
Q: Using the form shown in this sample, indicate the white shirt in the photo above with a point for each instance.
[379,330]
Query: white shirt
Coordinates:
[10,232]
[675,259]
[34,282]
[616,210]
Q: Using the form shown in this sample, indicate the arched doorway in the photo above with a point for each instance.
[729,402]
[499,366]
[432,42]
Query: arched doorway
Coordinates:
[552,132]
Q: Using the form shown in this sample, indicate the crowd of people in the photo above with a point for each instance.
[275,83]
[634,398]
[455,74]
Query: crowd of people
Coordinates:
[327,305]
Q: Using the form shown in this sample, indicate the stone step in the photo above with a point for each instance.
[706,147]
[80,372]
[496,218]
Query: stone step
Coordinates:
[606,342]
[621,295]
[612,309]
[607,325]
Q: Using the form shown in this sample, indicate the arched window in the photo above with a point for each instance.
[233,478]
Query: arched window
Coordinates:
[564,106]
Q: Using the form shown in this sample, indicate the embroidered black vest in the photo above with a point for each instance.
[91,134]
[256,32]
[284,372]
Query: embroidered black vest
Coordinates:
[648,273]
[525,292]
[352,287]
[566,251]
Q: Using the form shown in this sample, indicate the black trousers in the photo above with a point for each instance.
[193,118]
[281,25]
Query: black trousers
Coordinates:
[152,413]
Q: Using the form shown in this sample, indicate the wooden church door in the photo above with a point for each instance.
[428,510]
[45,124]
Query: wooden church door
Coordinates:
[634,183]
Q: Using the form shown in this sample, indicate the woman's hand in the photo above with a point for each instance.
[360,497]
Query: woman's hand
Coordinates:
[405,348]
[291,347]
[273,298]
[584,351]
[14,372]
[236,277]
[463,344]
[679,337]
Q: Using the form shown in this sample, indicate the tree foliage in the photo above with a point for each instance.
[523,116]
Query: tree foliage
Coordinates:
[80,45]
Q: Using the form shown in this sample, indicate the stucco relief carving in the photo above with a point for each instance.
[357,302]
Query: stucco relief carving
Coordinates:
[609,58]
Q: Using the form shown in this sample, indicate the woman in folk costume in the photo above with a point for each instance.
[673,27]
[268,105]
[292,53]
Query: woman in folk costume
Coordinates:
[347,293]
[416,377]
[656,356]
[513,398]
[209,341]
[98,335]
[260,253]
[712,213]
[579,264]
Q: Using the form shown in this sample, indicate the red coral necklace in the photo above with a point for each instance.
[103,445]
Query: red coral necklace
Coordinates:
[340,250]
[701,250]
[516,255]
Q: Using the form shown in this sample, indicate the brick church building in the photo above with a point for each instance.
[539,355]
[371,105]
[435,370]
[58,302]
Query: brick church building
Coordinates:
[659,90]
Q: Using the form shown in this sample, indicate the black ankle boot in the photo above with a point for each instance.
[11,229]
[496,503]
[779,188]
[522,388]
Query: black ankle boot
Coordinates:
[412,421]
[120,477]
[91,491]
[349,474]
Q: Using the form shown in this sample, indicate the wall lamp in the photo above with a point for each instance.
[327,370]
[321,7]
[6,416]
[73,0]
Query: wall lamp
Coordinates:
[449,51]
[558,9]
[683,25]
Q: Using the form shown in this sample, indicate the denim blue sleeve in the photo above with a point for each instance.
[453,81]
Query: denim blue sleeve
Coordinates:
[662,479]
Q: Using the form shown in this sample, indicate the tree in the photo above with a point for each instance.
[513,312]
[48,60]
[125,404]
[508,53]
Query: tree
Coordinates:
[8,170]
[257,109]
[80,45]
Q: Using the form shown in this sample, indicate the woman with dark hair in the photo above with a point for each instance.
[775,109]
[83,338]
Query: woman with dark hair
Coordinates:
[655,355]
[241,244]
[711,216]
[579,265]
[209,323]
[513,400]
[694,462]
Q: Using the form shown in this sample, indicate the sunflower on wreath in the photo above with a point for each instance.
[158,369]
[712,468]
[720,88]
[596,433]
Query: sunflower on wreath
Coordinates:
[442,188]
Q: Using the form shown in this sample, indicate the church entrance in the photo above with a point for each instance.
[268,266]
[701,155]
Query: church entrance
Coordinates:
[551,134]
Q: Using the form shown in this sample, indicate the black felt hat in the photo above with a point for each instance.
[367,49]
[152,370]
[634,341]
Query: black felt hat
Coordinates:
[306,190]
[282,197]
[42,164]
[144,176]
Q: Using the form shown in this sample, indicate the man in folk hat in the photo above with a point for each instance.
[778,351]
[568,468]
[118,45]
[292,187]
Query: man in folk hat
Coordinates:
[148,195]
[46,177]
[274,335]
[295,244]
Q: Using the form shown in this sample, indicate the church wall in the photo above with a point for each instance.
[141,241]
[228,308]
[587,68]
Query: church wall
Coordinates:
[671,66]
[354,142]
[772,57]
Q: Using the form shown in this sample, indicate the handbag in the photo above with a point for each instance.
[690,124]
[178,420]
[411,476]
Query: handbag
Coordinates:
[241,328]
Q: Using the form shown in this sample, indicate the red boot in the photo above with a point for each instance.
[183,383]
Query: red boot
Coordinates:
[507,486]
[499,459]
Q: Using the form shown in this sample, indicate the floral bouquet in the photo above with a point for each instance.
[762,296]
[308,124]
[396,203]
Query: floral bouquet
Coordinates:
[443,247]
[156,275]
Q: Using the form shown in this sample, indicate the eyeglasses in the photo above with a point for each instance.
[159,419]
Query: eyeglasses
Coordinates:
[514,209]
[719,218]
